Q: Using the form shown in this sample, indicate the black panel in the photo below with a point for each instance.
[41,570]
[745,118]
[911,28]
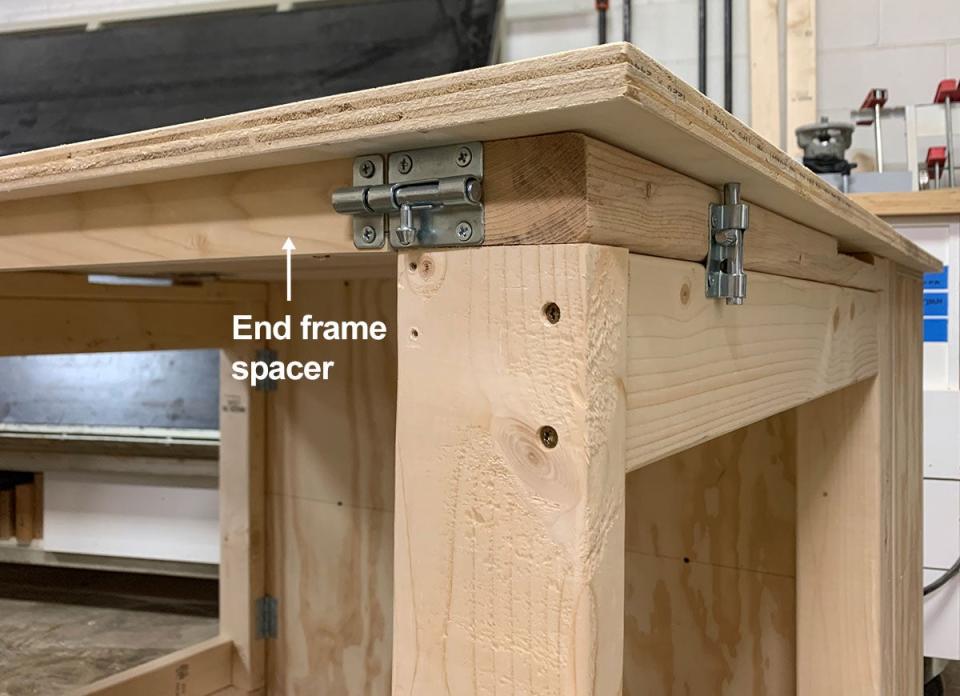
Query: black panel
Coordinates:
[66,86]
[161,389]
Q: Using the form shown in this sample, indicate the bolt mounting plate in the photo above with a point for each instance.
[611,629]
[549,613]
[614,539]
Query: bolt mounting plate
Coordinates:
[369,170]
[439,225]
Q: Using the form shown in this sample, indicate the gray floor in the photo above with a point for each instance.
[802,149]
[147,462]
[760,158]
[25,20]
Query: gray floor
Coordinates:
[951,679]
[52,641]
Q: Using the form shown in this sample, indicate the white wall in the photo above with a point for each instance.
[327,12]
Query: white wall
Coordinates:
[664,29]
[906,46]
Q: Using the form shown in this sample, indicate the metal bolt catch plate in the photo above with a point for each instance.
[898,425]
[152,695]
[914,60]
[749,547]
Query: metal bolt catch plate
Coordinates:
[444,225]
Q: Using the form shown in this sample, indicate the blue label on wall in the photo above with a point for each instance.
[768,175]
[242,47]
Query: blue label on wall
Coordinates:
[935,304]
[936,281]
[935,330]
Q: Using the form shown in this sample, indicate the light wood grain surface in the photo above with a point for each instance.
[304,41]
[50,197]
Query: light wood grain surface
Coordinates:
[698,369]
[944,201]
[330,499]
[859,518]
[509,552]
[552,189]
[710,567]
[614,93]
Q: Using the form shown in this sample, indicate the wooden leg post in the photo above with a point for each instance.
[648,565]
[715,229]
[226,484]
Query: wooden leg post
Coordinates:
[859,519]
[510,471]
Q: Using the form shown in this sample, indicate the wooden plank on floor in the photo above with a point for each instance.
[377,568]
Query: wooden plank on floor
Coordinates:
[698,368]
[614,93]
[200,670]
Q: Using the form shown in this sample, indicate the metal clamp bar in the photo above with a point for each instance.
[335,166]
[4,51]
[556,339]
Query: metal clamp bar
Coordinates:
[725,277]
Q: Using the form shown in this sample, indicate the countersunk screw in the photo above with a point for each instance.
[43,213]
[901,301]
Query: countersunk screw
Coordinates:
[406,164]
[368,234]
[549,437]
[464,157]
[552,312]
[464,231]
[367,169]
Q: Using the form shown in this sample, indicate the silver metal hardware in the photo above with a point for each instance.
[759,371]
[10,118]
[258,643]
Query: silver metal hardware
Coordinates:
[421,198]
[267,384]
[266,617]
[369,227]
[728,223]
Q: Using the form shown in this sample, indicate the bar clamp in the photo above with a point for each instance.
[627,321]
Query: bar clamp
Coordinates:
[728,223]
[418,198]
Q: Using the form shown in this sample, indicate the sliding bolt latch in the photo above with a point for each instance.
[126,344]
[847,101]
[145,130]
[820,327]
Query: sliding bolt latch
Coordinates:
[728,223]
[420,198]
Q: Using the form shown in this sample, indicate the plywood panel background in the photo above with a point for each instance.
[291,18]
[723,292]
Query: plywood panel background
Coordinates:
[330,500]
[710,566]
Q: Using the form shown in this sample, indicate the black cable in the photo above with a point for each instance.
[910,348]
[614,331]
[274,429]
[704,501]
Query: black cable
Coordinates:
[627,21]
[943,579]
[728,55]
[702,56]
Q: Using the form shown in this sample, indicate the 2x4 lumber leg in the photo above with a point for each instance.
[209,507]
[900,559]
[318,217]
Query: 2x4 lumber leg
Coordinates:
[859,519]
[510,506]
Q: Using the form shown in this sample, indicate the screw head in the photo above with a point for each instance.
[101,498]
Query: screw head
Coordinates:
[367,169]
[464,231]
[406,164]
[368,234]
[549,437]
[464,156]
[551,311]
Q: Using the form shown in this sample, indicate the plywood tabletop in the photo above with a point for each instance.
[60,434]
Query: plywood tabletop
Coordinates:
[944,201]
[614,93]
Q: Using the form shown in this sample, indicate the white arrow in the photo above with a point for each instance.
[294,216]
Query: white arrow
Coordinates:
[288,246]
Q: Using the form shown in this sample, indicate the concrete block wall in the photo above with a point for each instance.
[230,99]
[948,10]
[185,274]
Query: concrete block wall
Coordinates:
[904,46]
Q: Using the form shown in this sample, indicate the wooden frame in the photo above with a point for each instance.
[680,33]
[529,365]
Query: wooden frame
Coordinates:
[559,505]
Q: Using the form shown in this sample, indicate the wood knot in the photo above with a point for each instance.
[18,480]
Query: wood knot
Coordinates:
[685,294]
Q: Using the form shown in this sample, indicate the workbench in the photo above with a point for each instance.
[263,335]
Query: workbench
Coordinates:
[567,470]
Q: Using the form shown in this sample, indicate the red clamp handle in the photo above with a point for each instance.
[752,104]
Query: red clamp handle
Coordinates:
[603,5]
[875,97]
[935,156]
[947,89]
